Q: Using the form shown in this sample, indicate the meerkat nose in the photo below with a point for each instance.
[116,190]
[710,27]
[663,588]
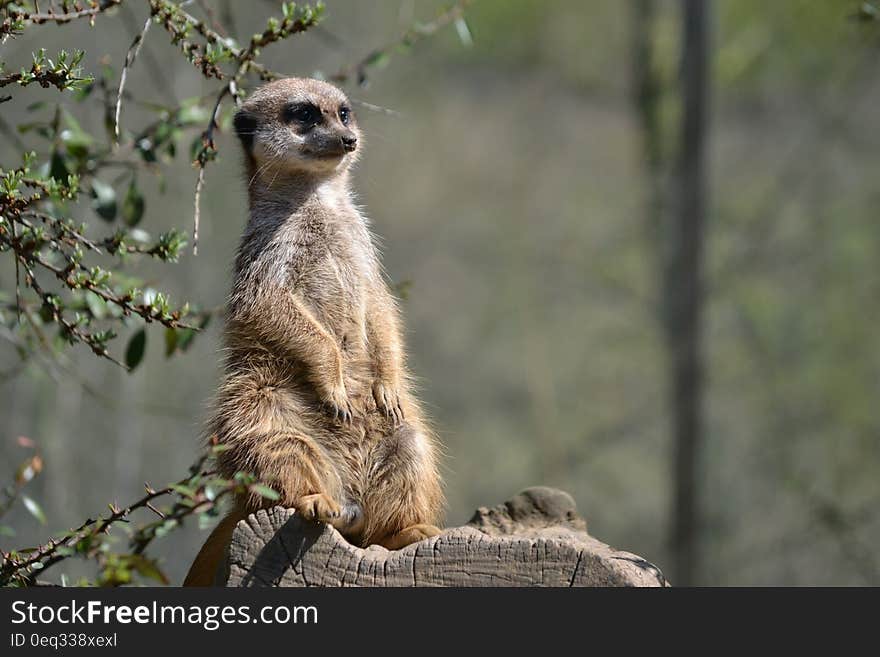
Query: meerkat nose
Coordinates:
[349,142]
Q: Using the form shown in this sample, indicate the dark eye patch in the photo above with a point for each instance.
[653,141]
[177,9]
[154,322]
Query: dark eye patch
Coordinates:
[305,114]
[245,126]
[345,115]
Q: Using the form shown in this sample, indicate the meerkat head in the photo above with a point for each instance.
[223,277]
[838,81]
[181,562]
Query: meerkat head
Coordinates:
[297,126]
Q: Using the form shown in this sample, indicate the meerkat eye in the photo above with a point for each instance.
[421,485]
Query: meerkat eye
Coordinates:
[303,113]
[344,115]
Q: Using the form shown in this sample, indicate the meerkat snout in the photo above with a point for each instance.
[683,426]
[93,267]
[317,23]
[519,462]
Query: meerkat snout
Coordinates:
[349,142]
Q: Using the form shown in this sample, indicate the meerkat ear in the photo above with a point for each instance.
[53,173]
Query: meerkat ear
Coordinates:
[245,125]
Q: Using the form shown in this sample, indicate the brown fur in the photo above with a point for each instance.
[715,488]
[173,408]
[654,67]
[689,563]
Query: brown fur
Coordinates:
[315,399]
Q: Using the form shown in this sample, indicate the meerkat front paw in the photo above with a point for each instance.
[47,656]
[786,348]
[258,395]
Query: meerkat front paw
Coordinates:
[318,507]
[388,401]
[338,405]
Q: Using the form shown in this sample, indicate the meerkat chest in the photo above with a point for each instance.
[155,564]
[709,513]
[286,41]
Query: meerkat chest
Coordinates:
[332,272]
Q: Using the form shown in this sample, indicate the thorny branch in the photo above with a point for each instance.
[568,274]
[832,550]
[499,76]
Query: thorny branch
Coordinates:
[16,19]
[130,56]
[198,493]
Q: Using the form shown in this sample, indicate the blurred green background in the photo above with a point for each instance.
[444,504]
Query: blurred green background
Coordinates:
[512,196]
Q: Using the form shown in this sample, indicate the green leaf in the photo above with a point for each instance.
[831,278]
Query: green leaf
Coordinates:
[166,527]
[147,568]
[103,200]
[185,491]
[47,313]
[265,491]
[97,305]
[133,205]
[134,353]
[185,338]
[139,235]
[195,148]
[464,33]
[147,150]
[57,167]
[868,12]
[76,140]
[84,92]
[170,341]
[379,59]
[193,113]
[6,530]
[34,509]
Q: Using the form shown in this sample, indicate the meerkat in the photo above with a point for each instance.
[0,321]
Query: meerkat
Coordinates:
[315,398]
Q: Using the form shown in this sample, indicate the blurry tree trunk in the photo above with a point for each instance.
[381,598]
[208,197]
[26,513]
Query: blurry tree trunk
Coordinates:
[647,94]
[648,90]
[684,293]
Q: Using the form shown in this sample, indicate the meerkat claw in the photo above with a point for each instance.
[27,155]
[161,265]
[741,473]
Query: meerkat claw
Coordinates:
[343,414]
[388,401]
[317,507]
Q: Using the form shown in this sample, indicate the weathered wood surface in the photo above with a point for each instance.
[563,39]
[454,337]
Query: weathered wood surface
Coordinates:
[535,539]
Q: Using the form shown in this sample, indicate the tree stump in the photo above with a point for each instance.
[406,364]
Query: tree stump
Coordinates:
[534,539]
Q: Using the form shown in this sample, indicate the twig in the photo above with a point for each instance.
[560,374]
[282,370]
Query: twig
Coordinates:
[152,508]
[17,280]
[130,56]
[52,17]
[212,16]
[56,223]
[205,154]
[63,274]
[97,347]
[410,37]
[44,77]
[200,182]
[376,108]
[25,473]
